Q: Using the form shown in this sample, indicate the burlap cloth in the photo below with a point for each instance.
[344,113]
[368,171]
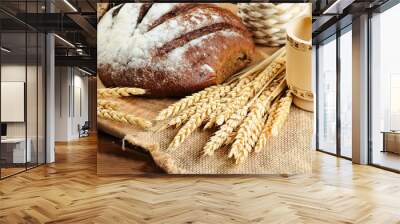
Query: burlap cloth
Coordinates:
[288,153]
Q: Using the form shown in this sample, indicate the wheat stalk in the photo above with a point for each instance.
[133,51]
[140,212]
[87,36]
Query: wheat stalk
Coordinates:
[230,138]
[282,113]
[230,89]
[262,139]
[268,123]
[222,103]
[249,92]
[192,124]
[222,135]
[123,117]
[251,128]
[186,102]
[120,92]
[199,106]
[264,78]
[277,116]
[106,104]
[184,108]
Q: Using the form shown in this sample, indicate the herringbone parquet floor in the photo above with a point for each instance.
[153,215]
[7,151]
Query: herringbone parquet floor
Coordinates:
[69,191]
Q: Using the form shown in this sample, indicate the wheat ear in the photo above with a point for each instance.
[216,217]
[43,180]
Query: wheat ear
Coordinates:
[123,118]
[120,92]
[282,113]
[192,124]
[262,140]
[106,104]
[225,132]
[263,79]
[251,128]
[214,98]
[230,138]
[222,103]
[277,115]
[219,97]
[186,102]
[222,135]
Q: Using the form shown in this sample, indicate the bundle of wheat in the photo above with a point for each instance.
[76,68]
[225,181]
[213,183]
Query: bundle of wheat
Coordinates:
[240,108]
[108,109]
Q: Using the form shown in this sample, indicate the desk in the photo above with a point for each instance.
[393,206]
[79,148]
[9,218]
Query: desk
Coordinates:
[13,150]
[391,141]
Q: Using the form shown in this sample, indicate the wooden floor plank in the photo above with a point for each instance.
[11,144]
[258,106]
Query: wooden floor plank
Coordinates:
[69,191]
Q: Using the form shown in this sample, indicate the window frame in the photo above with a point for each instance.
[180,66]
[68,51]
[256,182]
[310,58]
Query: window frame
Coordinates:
[334,37]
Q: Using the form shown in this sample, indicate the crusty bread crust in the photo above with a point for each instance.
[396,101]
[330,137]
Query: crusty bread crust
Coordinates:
[171,49]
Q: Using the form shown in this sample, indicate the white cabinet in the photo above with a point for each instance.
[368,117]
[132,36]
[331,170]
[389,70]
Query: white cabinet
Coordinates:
[17,147]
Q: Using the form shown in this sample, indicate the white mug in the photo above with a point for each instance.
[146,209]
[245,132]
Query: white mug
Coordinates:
[298,61]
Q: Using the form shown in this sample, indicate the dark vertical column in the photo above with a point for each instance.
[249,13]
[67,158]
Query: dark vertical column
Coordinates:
[1,164]
[338,81]
[26,87]
[369,90]
[92,102]
[37,90]
[317,95]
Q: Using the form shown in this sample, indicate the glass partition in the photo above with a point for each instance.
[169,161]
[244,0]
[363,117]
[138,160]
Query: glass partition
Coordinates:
[22,88]
[13,92]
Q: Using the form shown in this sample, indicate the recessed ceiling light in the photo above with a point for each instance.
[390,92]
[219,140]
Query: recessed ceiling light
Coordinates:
[84,71]
[5,50]
[64,40]
[70,5]
[337,7]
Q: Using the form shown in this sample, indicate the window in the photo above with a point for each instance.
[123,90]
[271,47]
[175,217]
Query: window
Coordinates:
[346,93]
[326,102]
[385,89]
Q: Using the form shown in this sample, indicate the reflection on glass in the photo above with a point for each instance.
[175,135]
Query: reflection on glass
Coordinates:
[31,97]
[14,146]
[327,97]
[385,83]
[22,91]
[346,94]
[41,99]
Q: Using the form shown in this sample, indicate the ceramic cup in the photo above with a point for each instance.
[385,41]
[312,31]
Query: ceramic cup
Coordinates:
[298,61]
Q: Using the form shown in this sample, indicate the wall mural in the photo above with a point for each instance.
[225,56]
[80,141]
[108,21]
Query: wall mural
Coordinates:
[191,88]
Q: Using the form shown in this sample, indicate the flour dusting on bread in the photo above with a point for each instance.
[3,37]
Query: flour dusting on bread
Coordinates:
[176,53]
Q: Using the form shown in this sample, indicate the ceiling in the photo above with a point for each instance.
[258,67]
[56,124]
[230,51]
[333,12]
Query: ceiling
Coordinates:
[74,22]
[329,16]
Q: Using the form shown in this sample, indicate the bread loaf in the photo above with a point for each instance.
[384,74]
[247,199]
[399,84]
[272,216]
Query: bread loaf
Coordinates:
[170,49]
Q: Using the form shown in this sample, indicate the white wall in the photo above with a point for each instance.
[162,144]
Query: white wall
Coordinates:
[33,127]
[61,114]
[15,72]
[70,109]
